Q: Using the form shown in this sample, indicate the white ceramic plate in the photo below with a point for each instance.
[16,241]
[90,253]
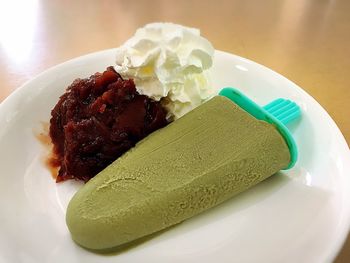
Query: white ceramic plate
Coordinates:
[297,216]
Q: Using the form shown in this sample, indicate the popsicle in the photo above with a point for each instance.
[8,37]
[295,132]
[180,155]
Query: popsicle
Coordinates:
[202,159]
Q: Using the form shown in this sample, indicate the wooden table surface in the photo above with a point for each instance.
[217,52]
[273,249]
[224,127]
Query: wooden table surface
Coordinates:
[308,41]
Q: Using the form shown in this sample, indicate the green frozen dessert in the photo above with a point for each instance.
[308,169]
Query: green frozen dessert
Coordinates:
[200,160]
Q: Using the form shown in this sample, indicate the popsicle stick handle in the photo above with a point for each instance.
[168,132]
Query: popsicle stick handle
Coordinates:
[283,110]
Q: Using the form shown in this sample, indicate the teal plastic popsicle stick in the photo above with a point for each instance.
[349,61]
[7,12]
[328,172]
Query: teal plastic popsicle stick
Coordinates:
[283,110]
[278,112]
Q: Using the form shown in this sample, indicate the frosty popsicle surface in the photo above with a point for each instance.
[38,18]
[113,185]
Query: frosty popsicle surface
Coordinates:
[202,159]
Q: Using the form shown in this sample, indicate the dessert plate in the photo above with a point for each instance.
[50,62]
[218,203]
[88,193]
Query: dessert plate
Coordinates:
[300,215]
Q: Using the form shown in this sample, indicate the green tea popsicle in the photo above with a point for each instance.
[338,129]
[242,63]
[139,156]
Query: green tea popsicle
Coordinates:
[202,159]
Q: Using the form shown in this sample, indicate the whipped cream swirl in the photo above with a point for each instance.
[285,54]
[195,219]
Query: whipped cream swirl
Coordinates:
[168,62]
